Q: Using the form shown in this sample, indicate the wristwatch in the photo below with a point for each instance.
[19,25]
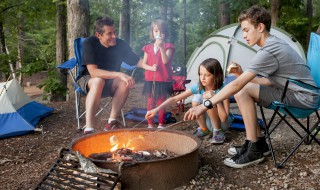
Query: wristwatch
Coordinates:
[208,104]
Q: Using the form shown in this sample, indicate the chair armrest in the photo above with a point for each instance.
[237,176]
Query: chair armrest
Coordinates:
[70,64]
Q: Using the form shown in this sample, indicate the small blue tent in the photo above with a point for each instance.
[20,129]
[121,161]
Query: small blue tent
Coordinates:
[18,112]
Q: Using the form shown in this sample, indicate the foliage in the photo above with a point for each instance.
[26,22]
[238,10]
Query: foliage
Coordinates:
[37,20]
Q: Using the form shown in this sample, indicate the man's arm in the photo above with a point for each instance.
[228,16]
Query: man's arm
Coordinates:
[229,90]
[96,72]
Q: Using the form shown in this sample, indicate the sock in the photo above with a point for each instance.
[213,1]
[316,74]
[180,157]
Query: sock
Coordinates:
[110,120]
[217,129]
[88,129]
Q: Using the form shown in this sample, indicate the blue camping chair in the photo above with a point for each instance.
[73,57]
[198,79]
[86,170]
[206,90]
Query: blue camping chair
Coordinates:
[283,111]
[75,69]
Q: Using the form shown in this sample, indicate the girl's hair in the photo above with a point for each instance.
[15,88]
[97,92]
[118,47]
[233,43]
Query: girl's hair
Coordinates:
[213,66]
[256,15]
[100,22]
[162,26]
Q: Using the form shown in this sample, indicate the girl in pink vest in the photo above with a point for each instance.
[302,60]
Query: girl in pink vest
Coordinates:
[158,84]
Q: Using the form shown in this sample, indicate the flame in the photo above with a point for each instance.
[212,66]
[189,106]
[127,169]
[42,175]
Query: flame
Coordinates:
[115,143]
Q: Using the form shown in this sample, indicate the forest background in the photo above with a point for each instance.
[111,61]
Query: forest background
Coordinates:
[38,35]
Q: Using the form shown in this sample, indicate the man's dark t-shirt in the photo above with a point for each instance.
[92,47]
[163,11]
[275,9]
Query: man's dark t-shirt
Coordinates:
[109,59]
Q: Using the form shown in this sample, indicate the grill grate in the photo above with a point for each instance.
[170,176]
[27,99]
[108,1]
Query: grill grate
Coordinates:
[66,173]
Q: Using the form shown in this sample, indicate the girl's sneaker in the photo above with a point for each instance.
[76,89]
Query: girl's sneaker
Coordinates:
[218,137]
[161,127]
[201,133]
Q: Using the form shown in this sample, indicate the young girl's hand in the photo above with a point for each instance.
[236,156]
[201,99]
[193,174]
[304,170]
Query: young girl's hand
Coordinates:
[154,67]
[150,114]
[208,94]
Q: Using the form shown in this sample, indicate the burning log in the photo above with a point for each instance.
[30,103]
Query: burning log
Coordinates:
[126,154]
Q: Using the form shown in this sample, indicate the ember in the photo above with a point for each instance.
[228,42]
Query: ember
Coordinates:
[125,154]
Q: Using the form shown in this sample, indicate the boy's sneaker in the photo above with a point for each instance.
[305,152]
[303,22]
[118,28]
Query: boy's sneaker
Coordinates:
[113,125]
[239,149]
[161,127]
[201,133]
[218,137]
[251,156]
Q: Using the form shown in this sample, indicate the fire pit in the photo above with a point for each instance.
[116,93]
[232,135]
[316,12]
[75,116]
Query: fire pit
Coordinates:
[166,173]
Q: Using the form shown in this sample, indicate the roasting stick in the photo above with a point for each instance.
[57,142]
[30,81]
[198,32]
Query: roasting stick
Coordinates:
[114,140]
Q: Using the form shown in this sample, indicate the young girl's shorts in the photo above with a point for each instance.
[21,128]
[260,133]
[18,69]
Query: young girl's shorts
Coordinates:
[224,126]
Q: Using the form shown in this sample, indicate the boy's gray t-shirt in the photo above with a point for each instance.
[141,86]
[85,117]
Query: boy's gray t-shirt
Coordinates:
[277,61]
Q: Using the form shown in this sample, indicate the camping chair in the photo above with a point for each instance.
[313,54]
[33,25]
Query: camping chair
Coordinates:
[75,68]
[179,85]
[283,111]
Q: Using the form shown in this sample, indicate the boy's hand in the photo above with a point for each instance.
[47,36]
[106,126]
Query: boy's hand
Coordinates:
[234,68]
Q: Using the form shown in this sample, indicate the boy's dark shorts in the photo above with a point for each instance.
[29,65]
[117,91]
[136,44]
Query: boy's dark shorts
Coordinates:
[83,83]
[269,94]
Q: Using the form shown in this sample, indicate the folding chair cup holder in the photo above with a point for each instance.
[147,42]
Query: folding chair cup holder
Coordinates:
[75,68]
[283,111]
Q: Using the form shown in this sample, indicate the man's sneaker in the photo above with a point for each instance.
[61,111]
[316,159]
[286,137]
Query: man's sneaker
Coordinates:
[239,149]
[201,133]
[113,125]
[218,137]
[251,156]
[88,132]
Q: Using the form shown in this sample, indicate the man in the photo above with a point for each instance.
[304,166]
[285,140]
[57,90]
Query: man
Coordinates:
[274,63]
[102,55]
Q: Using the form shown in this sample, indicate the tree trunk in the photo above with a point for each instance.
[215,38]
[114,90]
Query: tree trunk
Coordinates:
[164,9]
[170,22]
[184,31]
[2,50]
[21,38]
[275,6]
[78,26]
[61,46]
[124,28]
[309,16]
[224,7]
[78,22]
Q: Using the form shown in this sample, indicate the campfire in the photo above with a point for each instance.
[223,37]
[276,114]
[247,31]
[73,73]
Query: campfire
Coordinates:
[127,152]
[162,159]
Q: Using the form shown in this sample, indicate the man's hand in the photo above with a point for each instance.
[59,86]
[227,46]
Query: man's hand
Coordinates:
[150,114]
[127,79]
[194,113]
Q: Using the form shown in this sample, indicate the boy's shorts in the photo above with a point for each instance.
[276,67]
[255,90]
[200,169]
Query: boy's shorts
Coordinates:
[224,126]
[269,94]
[106,92]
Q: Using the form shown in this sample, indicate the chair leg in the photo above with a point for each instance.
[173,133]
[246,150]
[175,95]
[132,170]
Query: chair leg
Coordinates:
[268,134]
[77,101]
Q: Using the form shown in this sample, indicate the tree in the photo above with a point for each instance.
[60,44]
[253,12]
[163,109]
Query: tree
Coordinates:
[61,47]
[78,23]
[124,23]
[224,13]
[275,6]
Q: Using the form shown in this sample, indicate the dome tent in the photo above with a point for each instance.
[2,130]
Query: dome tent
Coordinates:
[19,113]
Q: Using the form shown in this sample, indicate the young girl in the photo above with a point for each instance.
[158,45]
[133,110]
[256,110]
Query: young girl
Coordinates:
[158,85]
[210,82]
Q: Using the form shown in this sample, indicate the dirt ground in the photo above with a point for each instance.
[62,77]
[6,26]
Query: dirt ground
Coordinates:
[25,159]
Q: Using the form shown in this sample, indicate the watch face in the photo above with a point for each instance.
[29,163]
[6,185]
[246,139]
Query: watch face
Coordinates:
[206,103]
